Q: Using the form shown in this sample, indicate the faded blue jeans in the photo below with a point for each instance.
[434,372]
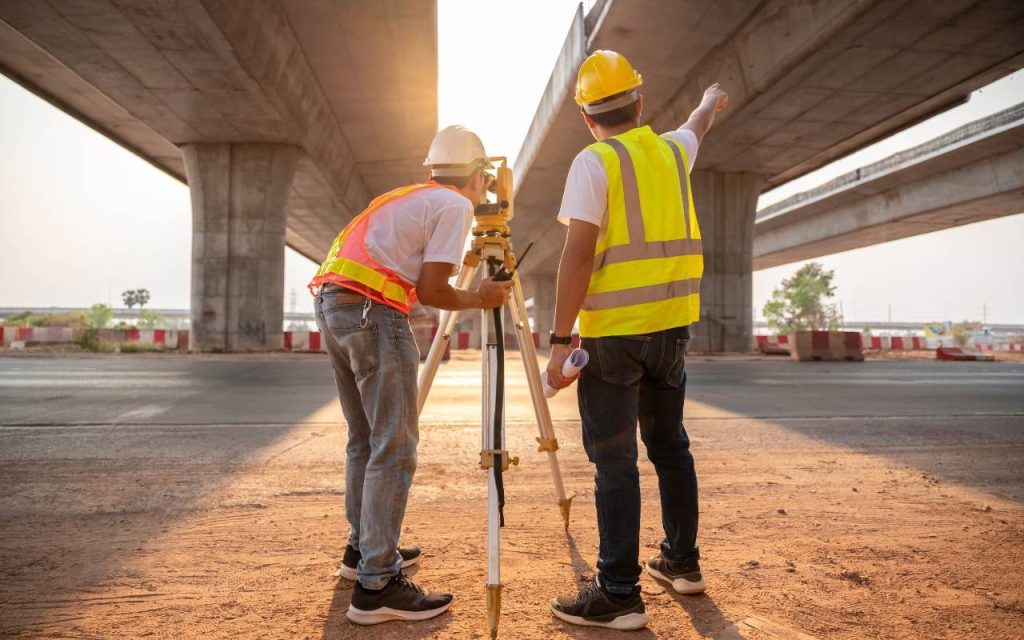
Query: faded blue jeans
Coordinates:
[374,364]
[633,380]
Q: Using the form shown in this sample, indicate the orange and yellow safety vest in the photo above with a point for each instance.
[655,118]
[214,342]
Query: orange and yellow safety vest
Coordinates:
[349,264]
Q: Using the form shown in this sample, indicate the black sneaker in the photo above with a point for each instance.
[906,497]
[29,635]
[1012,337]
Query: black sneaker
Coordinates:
[349,562]
[595,607]
[684,576]
[400,599]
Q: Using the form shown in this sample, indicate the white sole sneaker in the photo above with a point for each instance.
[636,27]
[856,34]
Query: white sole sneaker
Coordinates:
[350,573]
[680,585]
[628,622]
[386,614]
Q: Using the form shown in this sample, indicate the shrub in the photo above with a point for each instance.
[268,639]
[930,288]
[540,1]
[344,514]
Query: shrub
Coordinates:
[90,340]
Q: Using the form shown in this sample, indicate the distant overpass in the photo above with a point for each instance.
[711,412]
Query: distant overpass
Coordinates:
[284,117]
[971,174]
[809,81]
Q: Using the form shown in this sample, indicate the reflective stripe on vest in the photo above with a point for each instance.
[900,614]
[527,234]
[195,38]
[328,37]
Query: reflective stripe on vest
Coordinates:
[649,260]
[349,264]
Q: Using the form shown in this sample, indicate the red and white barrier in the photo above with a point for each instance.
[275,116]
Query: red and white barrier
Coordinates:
[303,341]
[773,345]
[781,344]
[827,346]
[956,353]
[157,338]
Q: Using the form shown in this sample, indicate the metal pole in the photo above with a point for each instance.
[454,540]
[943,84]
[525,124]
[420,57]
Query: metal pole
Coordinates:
[493,440]
[493,515]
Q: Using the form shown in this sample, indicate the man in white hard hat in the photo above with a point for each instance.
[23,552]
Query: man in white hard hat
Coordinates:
[402,248]
[630,271]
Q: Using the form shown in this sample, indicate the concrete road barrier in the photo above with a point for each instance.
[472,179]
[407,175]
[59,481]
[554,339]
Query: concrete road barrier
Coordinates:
[302,341]
[956,353]
[773,345]
[827,346]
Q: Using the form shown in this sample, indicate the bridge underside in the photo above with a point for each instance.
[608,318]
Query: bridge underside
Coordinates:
[319,97]
[809,82]
[971,174]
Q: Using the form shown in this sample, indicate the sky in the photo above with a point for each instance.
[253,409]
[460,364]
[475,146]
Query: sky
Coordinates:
[82,219]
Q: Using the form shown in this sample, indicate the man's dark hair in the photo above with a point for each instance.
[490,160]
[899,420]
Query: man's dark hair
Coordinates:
[618,116]
[459,182]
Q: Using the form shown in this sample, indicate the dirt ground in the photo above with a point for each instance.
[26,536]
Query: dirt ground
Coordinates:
[801,537]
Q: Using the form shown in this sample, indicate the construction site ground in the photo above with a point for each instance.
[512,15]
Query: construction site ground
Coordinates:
[166,496]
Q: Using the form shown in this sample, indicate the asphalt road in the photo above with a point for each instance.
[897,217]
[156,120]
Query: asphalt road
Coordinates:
[140,493]
[131,390]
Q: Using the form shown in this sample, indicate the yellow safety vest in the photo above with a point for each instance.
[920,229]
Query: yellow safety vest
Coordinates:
[649,260]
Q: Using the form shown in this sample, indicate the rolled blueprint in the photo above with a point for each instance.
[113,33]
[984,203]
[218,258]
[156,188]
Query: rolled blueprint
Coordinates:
[572,365]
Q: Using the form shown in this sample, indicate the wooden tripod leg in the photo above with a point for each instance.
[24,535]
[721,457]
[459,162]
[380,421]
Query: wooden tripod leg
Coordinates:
[441,339]
[547,440]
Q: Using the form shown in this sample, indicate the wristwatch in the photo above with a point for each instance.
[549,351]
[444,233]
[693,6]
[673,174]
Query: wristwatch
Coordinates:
[555,339]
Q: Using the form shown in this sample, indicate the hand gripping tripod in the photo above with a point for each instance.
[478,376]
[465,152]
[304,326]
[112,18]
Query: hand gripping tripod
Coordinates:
[492,248]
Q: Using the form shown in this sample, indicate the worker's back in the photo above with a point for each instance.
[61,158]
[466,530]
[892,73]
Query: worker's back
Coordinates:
[648,261]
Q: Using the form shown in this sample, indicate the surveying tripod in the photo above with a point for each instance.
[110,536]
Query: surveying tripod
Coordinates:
[492,248]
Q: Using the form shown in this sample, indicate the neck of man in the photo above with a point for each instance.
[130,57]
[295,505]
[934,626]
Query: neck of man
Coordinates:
[603,133]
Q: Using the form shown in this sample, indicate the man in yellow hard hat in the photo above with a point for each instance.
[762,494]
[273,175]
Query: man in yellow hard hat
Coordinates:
[404,246]
[630,271]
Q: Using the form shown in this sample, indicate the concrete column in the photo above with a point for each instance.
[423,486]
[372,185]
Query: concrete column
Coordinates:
[726,204]
[239,198]
[469,320]
[542,289]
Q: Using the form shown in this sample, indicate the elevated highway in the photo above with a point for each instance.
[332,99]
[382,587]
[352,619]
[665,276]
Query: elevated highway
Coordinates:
[971,174]
[285,118]
[809,82]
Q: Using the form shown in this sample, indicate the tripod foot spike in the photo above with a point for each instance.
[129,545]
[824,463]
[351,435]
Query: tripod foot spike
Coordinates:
[564,506]
[493,608]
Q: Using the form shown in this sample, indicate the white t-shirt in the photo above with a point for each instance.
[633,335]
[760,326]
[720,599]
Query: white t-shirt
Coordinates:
[428,226]
[586,187]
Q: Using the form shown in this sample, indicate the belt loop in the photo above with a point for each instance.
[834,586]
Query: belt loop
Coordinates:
[366,310]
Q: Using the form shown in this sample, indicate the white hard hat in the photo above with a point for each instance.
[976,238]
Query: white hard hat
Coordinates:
[456,151]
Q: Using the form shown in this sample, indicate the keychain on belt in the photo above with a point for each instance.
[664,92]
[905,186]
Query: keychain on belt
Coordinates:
[366,310]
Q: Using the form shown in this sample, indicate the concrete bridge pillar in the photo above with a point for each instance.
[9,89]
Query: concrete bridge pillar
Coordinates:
[726,204]
[469,321]
[541,287]
[239,197]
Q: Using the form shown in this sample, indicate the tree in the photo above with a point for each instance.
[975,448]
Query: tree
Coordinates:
[800,303]
[132,297]
[963,331]
[99,316]
[148,319]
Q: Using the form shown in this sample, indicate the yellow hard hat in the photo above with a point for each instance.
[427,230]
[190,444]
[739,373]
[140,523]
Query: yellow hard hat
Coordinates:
[605,74]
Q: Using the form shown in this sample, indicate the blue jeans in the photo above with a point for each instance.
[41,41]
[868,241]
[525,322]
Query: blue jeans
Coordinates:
[374,364]
[633,379]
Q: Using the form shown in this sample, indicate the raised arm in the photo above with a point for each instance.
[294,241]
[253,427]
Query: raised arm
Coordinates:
[699,122]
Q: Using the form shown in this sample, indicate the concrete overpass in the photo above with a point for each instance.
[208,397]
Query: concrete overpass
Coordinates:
[809,82]
[971,174]
[285,118]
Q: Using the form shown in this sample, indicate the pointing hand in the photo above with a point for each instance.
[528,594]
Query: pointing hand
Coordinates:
[716,94]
